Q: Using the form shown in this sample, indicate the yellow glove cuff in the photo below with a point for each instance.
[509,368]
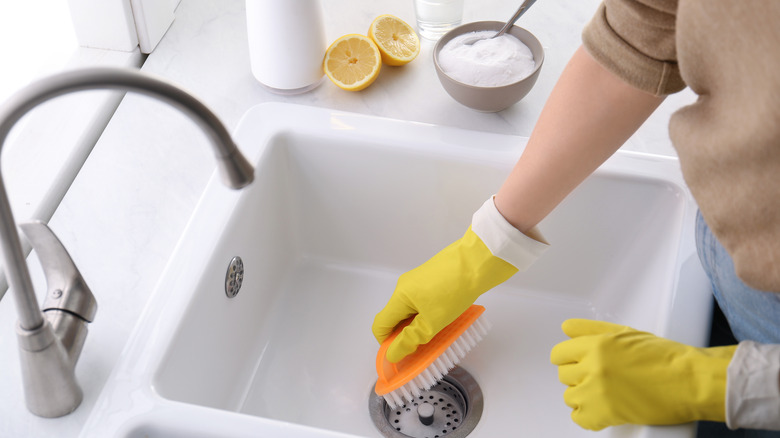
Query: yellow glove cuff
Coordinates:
[504,240]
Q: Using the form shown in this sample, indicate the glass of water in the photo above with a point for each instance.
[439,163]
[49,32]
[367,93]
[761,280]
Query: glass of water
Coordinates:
[436,17]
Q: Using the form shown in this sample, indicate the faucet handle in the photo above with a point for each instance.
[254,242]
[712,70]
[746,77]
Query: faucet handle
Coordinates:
[67,289]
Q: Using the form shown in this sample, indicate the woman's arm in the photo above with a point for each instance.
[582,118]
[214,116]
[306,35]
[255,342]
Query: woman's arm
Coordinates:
[588,116]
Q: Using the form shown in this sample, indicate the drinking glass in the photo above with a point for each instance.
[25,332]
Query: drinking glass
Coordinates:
[436,17]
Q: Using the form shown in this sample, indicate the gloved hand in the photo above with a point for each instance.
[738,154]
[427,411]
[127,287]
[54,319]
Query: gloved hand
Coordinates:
[618,375]
[441,289]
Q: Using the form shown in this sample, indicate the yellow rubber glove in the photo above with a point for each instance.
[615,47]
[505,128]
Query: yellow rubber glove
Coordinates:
[438,291]
[618,375]
[441,289]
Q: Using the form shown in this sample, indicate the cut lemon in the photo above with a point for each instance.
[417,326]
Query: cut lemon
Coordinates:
[352,62]
[396,40]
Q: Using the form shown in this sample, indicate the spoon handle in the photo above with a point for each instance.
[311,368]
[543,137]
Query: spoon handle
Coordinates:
[520,11]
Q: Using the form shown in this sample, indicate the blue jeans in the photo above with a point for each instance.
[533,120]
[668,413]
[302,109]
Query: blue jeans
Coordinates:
[750,314]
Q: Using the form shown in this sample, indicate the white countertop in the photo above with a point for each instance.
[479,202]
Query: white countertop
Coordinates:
[128,206]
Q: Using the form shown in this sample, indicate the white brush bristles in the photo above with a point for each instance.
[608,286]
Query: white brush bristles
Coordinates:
[441,366]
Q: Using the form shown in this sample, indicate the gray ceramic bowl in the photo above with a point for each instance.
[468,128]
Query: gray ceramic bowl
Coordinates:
[489,99]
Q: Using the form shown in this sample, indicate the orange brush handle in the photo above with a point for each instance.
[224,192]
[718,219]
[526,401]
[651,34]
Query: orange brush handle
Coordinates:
[395,375]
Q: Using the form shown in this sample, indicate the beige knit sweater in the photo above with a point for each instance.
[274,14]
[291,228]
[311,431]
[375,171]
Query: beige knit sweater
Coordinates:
[728,142]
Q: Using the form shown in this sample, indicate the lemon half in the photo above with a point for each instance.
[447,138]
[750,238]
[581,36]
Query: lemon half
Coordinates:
[396,40]
[352,62]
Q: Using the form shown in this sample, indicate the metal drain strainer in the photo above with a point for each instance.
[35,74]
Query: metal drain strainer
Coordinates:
[450,409]
[234,277]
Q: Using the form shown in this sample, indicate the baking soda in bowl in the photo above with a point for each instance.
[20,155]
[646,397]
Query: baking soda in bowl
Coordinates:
[489,62]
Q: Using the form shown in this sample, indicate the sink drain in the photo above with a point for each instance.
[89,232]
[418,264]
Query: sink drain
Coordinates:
[234,277]
[450,409]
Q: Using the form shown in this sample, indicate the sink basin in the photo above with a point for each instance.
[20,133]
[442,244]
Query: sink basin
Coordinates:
[341,206]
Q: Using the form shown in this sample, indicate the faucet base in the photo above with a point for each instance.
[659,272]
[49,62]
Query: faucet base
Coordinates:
[51,390]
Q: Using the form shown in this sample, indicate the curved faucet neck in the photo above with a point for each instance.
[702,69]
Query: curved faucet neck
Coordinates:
[236,170]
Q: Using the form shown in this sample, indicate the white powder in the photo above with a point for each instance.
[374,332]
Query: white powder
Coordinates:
[488,62]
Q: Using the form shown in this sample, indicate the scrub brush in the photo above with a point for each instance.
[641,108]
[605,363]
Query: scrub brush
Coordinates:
[421,370]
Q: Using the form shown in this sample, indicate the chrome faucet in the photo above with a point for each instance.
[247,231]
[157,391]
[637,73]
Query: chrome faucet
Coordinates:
[50,341]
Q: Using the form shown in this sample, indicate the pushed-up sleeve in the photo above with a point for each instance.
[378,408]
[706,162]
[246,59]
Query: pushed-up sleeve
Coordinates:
[635,40]
[752,394]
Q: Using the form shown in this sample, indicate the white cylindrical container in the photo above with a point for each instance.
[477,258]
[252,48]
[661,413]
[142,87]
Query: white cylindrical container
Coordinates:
[286,44]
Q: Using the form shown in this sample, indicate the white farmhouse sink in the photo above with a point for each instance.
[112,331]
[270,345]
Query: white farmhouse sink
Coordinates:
[342,205]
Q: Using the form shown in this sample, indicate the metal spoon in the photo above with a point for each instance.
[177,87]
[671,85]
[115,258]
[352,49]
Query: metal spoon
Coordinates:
[520,11]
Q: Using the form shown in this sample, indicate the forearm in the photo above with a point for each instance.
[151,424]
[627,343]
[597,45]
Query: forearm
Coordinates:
[588,116]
